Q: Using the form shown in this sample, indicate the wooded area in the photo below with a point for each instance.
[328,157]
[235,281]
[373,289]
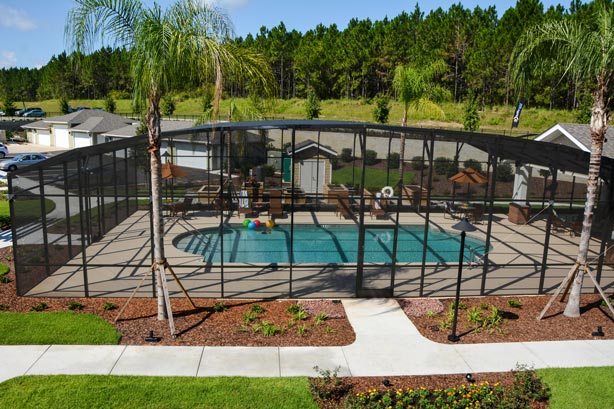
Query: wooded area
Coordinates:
[354,63]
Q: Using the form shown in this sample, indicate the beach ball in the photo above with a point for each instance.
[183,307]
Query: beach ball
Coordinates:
[257,223]
[251,226]
[246,222]
[270,224]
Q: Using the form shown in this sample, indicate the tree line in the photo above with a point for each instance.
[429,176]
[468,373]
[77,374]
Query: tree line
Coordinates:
[358,62]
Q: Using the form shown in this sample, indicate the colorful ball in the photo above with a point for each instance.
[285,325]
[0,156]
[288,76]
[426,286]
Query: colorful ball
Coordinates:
[270,224]
[251,226]
[257,223]
[246,222]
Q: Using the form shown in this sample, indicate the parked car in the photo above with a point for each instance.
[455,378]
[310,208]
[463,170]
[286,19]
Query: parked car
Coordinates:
[4,150]
[2,113]
[35,113]
[20,112]
[21,161]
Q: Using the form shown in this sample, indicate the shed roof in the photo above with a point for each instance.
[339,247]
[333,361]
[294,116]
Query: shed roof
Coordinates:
[578,136]
[303,148]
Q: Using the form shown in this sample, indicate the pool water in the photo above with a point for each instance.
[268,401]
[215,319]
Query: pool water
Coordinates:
[324,244]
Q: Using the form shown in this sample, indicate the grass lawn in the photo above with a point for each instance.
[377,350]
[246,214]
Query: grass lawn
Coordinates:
[375,179]
[580,387]
[91,391]
[27,208]
[40,328]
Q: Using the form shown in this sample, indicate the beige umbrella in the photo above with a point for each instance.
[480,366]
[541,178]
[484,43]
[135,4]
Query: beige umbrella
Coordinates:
[171,171]
[469,176]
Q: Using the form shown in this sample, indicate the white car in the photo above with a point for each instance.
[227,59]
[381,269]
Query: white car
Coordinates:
[4,150]
[20,161]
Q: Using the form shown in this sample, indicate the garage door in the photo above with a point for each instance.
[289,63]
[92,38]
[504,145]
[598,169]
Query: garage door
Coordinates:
[62,138]
[44,138]
[81,140]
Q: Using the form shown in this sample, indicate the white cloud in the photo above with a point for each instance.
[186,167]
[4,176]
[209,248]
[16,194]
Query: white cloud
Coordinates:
[13,18]
[7,59]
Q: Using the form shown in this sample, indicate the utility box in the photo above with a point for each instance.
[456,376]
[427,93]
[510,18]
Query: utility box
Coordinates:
[518,213]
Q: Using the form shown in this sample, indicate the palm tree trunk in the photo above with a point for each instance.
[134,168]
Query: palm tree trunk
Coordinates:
[598,126]
[153,126]
[402,147]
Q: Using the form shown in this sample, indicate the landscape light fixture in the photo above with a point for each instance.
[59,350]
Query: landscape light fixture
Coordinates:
[463,226]
[151,337]
[599,332]
[470,378]
[386,383]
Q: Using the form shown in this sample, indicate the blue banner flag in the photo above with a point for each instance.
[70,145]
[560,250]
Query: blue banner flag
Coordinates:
[517,112]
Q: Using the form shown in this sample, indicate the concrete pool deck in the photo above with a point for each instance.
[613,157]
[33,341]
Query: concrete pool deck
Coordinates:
[516,249]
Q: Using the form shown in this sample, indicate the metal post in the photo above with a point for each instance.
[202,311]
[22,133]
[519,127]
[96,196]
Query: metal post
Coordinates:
[453,337]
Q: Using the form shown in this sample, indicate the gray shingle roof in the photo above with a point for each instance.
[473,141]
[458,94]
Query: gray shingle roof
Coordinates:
[130,130]
[581,134]
[86,120]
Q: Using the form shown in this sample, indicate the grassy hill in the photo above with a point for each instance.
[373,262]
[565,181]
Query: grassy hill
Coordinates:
[496,119]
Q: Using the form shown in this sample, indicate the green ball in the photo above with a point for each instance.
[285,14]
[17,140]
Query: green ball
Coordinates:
[246,222]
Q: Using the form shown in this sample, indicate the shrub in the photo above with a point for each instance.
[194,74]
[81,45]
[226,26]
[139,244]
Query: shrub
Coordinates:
[109,306]
[312,106]
[294,308]
[267,329]
[514,303]
[5,221]
[382,109]
[300,315]
[75,306]
[167,106]
[505,172]
[320,318]
[370,157]
[327,385]
[472,163]
[109,104]
[301,329]
[4,270]
[346,155]
[249,317]
[256,308]
[394,159]
[41,306]
[417,163]
[219,307]
[442,165]
[64,105]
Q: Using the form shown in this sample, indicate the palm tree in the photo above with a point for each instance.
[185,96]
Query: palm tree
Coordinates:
[187,40]
[414,88]
[586,49]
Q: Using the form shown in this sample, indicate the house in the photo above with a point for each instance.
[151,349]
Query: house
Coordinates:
[75,130]
[577,136]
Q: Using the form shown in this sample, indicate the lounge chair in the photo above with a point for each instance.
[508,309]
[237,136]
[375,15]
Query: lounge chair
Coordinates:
[245,203]
[452,211]
[275,203]
[378,205]
[181,208]
[344,207]
[557,224]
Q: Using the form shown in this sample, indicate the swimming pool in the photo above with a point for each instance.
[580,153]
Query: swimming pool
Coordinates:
[323,244]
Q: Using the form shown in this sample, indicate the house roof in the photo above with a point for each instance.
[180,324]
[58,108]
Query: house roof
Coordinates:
[301,149]
[130,130]
[86,120]
[577,136]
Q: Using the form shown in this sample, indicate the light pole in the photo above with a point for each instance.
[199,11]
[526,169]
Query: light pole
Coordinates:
[463,226]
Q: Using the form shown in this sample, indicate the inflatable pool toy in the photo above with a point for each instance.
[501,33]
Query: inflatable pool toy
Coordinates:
[251,226]
[257,223]
[270,224]
[387,191]
[246,222]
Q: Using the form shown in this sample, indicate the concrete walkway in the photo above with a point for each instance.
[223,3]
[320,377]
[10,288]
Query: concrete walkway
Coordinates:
[387,344]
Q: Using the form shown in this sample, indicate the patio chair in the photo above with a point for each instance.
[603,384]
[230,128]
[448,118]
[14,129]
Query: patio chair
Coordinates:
[344,207]
[451,211]
[276,208]
[478,213]
[378,205]
[245,203]
[557,224]
[181,208]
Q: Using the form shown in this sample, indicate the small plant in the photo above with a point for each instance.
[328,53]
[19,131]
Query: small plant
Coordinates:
[291,323]
[483,306]
[514,303]
[4,307]
[250,317]
[610,299]
[327,385]
[294,308]
[527,387]
[475,316]
[75,306]
[4,270]
[267,329]
[301,329]
[219,307]
[41,306]
[300,315]
[256,308]
[494,320]
[320,318]
[329,330]
[109,306]
[431,314]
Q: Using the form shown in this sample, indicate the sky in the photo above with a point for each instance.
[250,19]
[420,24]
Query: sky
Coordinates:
[32,31]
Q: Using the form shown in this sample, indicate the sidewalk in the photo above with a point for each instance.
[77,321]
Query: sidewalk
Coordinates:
[387,344]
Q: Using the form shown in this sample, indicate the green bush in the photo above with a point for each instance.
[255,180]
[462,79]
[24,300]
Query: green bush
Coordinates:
[109,104]
[346,155]
[75,306]
[417,163]
[167,106]
[473,164]
[505,172]
[41,306]
[382,109]
[312,106]
[441,165]
[371,157]
[394,159]
[109,306]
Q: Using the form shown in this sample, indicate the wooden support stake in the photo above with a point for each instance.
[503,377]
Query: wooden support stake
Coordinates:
[568,279]
[132,295]
[167,299]
[605,298]
[183,290]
